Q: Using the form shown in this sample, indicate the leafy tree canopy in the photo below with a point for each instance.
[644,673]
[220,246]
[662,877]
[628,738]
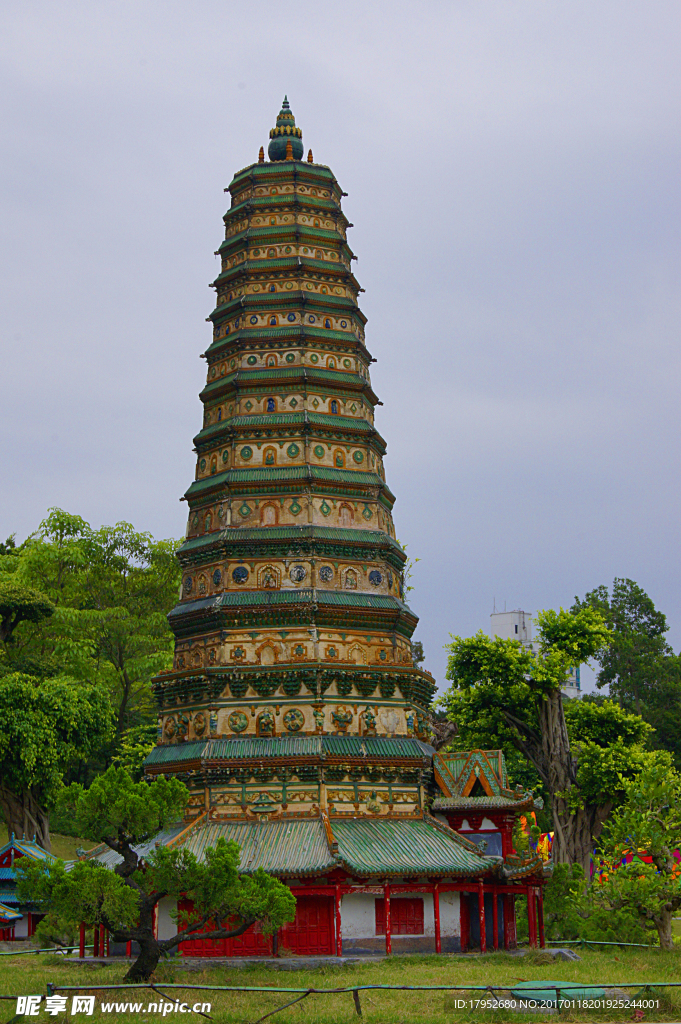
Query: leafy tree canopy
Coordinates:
[647,822]
[507,696]
[639,668]
[46,726]
[107,592]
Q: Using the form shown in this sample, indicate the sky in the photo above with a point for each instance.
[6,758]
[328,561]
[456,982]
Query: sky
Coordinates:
[512,170]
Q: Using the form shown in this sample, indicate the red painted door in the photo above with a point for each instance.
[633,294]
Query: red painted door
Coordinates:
[311,933]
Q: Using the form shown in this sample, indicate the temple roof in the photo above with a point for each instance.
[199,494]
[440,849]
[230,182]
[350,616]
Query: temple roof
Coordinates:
[477,780]
[365,847]
[7,915]
[258,747]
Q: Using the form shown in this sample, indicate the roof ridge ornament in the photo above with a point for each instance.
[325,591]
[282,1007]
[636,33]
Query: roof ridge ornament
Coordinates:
[285,134]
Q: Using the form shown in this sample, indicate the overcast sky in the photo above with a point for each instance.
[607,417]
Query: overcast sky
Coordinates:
[513,178]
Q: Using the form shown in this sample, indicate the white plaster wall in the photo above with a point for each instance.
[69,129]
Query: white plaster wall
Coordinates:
[167,927]
[21,928]
[450,913]
[358,917]
[487,826]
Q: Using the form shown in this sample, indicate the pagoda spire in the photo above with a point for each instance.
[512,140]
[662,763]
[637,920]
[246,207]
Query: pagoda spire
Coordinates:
[285,132]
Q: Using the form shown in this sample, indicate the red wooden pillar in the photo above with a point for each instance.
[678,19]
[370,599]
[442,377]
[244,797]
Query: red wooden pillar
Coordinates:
[339,936]
[540,915]
[81,941]
[386,906]
[531,917]
[128,948]
[481,914]
[465,924]
[495,918]
[95,940]
[436,914]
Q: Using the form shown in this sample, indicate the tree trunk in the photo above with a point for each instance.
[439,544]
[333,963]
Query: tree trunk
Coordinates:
[663,923]
[25,817]
[147,961]
[574,830]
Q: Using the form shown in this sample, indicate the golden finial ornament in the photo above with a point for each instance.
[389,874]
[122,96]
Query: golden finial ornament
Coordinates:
[309,156]
[261,155]
[289,150]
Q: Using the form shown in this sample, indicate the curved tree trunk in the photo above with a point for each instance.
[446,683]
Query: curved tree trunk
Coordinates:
[663,923]
[574,828]
[147,960]
[25,817]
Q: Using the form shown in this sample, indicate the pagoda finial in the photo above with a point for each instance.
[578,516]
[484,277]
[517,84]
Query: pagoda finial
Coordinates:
[261,155]
[285,132]
[309,157]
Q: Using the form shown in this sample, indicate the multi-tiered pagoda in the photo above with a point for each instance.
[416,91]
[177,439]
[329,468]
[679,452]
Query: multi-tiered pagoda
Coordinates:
[294,712]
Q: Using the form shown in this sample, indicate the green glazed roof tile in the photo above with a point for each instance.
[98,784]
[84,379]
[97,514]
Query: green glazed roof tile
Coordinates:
[233,535]
[385,846]
[374,746]
[283,848]
[248,748]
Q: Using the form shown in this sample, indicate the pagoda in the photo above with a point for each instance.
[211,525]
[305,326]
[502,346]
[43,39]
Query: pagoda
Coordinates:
[294,712]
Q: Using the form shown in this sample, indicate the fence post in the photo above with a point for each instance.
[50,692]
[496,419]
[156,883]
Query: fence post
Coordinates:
[81,941]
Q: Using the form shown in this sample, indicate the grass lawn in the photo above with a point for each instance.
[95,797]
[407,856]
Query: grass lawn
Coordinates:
[62,846]
[30,974]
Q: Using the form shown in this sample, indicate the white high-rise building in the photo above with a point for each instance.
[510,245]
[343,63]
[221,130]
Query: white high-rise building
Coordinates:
[517,625]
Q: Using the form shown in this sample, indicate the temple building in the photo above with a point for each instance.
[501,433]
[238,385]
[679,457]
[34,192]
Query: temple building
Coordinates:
[18,919]
[294,712]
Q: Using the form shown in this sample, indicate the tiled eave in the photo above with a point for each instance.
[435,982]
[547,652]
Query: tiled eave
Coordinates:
[262,378]
[240,542]
[289,424]
[247,609]
[482,803]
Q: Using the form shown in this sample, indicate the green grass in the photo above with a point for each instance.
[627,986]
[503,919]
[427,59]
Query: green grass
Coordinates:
[30,974]
[62,846]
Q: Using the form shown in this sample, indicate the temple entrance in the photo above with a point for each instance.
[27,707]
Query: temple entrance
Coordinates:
[472,911]
[311,934]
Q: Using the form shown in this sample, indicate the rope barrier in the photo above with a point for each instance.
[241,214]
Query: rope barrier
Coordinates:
[354,990]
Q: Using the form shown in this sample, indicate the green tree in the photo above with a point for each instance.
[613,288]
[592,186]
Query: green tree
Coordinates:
[19,603]
[122,813]
[507,696]
[639,667]
[630,663]
[46,726]
[647,822]
[111,590]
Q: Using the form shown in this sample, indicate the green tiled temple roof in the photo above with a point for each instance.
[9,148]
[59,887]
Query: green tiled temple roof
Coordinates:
[481,803]
[7,915]
[283,474]
[282,419]
[306,532]
[367,848]
[254,748]
[300,595]
[264,375]
[284,169]
[410,848]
